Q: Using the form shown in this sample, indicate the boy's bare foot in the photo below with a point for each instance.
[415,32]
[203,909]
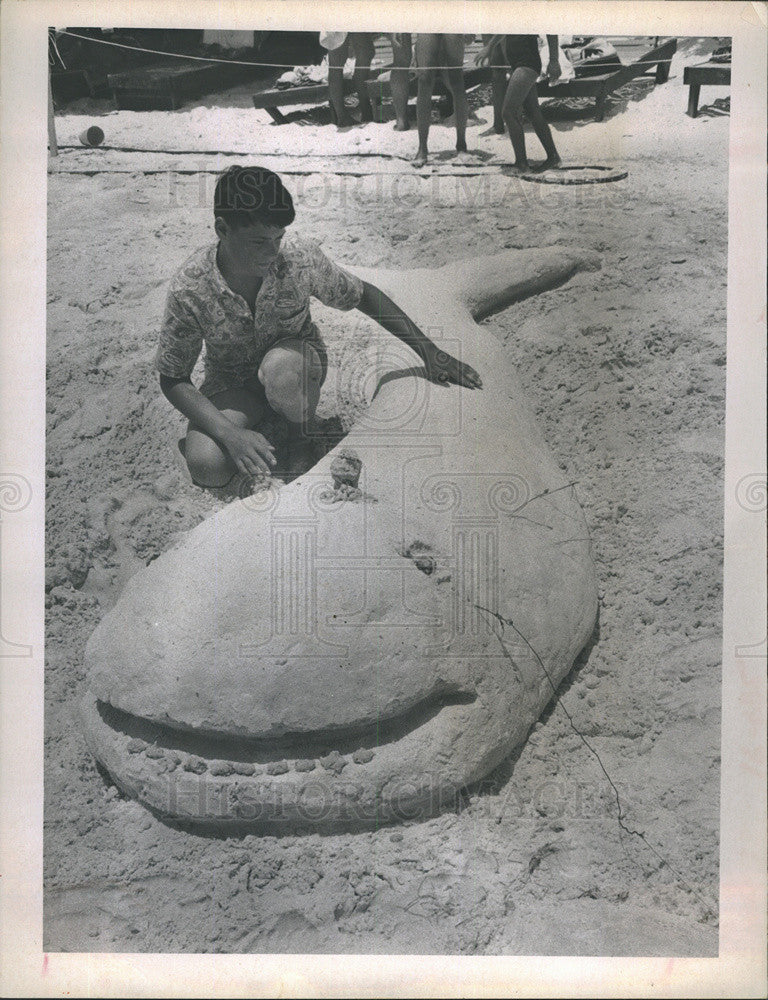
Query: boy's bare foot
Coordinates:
[461,146]
[298,457]
[401,126]
[522,167]
[236,487]
[450,121]
[498,126]
[463,158]
[551,163]
[420,158]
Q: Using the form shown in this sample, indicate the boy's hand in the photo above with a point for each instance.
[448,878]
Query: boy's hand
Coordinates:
[252,454]
[445,369]
[483,57]
[440,367]
[554,71]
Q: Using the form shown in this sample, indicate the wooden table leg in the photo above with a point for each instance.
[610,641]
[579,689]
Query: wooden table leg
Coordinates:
[693,99]
[276,115]
[376,98]
[600,106]
[52,143]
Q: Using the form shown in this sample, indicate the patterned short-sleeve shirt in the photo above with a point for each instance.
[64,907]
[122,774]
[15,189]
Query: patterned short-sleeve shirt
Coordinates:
[201,309]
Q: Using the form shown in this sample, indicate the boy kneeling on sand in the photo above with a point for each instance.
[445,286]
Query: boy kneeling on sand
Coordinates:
[247,299]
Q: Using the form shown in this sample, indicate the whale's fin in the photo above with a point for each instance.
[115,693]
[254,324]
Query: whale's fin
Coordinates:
[486,285]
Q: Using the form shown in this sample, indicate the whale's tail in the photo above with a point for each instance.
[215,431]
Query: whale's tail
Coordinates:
[489,284]
[482,285]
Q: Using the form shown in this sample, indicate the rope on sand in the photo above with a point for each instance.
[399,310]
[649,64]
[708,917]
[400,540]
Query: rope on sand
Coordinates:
[603,175]
[553,176]
[288,171]
[77,147]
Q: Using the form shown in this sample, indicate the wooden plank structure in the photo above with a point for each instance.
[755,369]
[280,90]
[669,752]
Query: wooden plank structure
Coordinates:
[166,87]
[69,84]
[378,88]
[53,144]
[655,61]
[706,74]
[272,100]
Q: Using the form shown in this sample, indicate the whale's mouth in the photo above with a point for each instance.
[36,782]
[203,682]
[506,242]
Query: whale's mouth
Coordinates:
[222,753]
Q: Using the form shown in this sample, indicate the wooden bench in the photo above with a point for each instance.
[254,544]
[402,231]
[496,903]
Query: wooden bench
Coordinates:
[68,85]
[272,100]
[167,87]
[707,74]
[655,61]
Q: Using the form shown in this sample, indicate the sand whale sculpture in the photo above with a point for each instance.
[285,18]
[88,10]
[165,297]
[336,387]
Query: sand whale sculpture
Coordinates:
[329,658]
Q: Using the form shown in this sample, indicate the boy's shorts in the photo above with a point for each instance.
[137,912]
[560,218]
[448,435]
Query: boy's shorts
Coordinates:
[220,381]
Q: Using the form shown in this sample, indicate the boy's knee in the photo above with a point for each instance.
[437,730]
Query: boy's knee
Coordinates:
[207,465]
[291,376]
[512,111]
[278,374]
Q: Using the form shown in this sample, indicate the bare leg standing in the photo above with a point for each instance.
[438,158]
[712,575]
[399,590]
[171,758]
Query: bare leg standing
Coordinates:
[541,128]
[453,46]
[427,54]
[336,59]
[520,83]
[498,84]
[440,50]
[362,47]
[398,79]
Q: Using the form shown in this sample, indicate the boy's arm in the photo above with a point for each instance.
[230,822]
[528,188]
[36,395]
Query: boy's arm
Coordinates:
[485,55]
[337,288]
[179,347]
[554,72]
[249,450]
[441,367]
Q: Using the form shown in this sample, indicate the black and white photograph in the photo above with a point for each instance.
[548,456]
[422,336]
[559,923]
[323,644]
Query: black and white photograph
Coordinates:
[385,495]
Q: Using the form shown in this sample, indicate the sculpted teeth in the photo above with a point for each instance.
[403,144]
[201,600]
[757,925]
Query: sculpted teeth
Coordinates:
[168,760]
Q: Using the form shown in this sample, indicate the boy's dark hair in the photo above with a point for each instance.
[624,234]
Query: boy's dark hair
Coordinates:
[245,195]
